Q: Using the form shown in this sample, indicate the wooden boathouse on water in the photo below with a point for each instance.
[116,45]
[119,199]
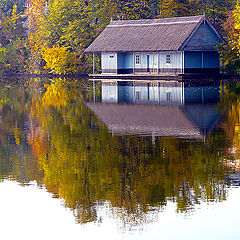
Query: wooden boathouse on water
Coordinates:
[169,46]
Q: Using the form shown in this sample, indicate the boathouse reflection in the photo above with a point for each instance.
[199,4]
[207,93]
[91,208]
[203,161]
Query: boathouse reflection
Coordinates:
[158,108]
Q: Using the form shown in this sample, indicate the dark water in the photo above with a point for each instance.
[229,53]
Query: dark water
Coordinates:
[119,160]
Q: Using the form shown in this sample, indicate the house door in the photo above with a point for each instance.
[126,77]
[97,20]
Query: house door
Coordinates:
[112,65]
[148,67]
[154,62]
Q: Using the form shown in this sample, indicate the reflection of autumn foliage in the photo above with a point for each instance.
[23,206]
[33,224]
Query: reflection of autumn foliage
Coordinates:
[58,95]
[71,153]
[15,101]
[231,107]
[84,164]
[38,141]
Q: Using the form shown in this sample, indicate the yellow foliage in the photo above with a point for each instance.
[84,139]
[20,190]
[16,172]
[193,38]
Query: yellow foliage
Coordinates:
[59,60]
[17,135]
[36,11]
[235,35]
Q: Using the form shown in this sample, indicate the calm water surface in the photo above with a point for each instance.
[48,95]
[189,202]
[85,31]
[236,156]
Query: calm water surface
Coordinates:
[119,160]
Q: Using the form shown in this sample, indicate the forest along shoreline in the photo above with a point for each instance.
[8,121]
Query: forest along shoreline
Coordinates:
[51,38]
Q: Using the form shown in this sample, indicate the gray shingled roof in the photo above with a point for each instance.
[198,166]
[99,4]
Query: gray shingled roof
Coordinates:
[149,35]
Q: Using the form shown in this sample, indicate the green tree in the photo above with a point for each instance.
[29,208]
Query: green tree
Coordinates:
[6,6]
[12,40]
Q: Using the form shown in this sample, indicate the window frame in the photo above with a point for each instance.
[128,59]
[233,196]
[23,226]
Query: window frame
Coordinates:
[168,58]
[137,59]
[169,97]
[137,95]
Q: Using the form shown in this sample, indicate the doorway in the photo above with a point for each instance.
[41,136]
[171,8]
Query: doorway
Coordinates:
[154,63]
[148,69]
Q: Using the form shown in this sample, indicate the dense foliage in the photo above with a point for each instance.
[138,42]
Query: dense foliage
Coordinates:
[13,53]
[60,30]
[72,26]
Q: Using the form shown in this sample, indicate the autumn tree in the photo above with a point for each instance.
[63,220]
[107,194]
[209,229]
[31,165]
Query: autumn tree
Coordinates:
[60,28]
[6,6]
[230,51]
[36,13]
[12,39]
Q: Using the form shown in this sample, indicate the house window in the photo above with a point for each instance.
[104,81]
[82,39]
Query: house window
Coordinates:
[169,97]
[137,59]
[137,95]
[168,59]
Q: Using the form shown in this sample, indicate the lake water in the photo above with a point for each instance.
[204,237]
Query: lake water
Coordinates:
[119,160]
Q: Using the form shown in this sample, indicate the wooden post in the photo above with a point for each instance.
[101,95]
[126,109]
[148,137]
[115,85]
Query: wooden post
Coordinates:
[133,63]
[93,63]
[94,94]
[182,97]
[183,62]
[153,64]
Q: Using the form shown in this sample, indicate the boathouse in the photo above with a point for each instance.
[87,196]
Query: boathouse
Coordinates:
[181,45]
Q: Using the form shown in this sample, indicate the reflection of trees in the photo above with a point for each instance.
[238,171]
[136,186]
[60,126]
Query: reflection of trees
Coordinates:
[13,102]
[84,164]
[230,106]
[78,160]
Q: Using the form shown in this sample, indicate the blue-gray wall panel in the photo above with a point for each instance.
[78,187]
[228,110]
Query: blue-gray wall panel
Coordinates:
[198,59]
[125,60]
[193,59]
[211,60]
[120,60]
[128,63]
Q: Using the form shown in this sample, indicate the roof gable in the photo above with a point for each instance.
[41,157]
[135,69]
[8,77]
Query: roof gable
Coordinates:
[204,37]
[150,35]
